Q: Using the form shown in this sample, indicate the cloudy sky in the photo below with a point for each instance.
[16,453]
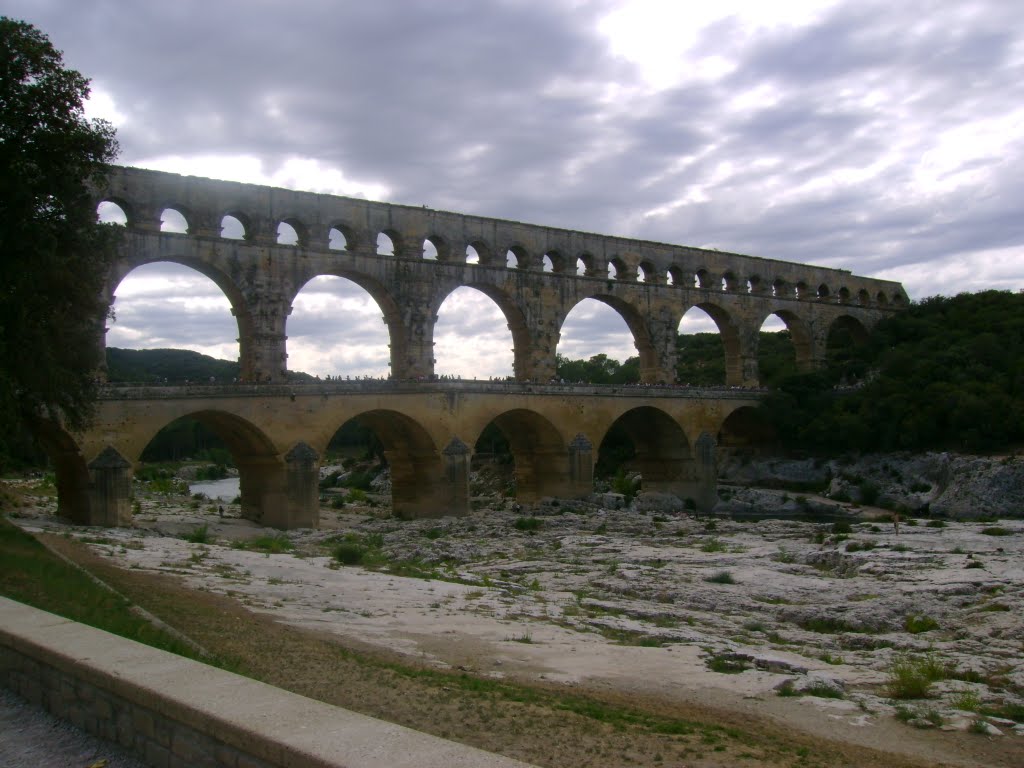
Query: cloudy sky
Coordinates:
[886,138]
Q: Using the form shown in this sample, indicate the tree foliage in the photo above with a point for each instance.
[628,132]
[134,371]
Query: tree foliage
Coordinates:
[55,254]
[947,374]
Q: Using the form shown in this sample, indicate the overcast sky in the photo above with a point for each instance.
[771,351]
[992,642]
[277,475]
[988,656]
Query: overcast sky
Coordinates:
[882,137]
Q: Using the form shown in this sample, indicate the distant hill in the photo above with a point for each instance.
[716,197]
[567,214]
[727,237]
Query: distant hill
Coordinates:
[175,366]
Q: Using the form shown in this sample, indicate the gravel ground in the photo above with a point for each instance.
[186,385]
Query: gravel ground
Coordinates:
[30,737]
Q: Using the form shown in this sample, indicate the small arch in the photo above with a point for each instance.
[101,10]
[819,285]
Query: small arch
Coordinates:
[863,297]
[482,251]
[472,255]
[648,440]
[703,279]
[801,291]
[882,299]
[584,265]
[235,226]
[755,284]
[844,295]
[387,243]
[897,298]
[340,238]
[539,453]
[730,282]
[823,291]
[287,234]
[779,288]
[174,221]
[517,257]
[112,212]
[546,265]
[617,268]
[675,276]
[436,248]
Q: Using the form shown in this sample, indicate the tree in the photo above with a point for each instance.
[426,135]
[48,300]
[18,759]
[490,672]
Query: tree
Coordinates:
[55,256]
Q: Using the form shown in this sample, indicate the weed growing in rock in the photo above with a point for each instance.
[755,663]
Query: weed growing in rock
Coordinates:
[271,544]
[967,700]
[911,677]
[528,524]
[936,524]
[995,530]
[712,545]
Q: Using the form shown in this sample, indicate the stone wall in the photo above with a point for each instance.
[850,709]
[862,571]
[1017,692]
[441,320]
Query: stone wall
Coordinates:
[177,713]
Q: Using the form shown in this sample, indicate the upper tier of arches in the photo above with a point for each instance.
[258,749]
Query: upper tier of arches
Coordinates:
[156,201]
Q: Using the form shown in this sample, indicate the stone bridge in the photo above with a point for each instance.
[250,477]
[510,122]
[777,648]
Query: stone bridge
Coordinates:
[278,430]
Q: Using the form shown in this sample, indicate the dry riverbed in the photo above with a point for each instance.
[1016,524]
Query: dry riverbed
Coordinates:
[803,623]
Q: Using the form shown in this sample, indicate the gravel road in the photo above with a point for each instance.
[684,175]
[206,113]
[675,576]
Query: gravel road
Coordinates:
[31,737]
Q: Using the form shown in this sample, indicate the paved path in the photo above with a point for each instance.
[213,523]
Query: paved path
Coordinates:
[32,738]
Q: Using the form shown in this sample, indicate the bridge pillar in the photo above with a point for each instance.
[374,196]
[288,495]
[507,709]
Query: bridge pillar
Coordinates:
[659,365]
[581,467]
[456,460]
[110,491]
[413,357]
[262,351]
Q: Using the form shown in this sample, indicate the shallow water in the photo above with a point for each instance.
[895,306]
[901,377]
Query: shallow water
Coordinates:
[226,489]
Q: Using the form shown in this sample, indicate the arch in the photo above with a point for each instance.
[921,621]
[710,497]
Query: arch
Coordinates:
[823,292]
[546,265]
[261,473]
[614,344]
[318,344]
[587,263]
[780,288]
[660,450]
[746,430]
[114,210]
[440,247]
[484,253]
[168,285]
[417,489]
[704,280]
[389,243]
[617,268]
[846,334]
[299,234]
[776,351]
[732,364]
[559,263]
[801,291]
[675,276]
[730,282]
[174,220]
[517,257]
[863,297]
[539,453]
[646,272]
[341,237]
[472,255]
[882,299]
[799,336]
[843,295]
[483,320]
[235,225]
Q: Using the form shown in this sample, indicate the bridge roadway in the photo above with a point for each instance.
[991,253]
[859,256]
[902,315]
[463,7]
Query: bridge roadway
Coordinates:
[278,434]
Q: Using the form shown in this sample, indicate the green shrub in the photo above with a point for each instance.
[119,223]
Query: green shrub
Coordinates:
[915,624]
[349,553]
[274,544]
[529,524]
[712,545]
[722,577]
[995,530]
[200,535]
[842,526]
[936,524]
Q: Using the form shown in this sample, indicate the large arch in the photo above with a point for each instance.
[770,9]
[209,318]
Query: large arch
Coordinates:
[746,429]
[613,344]
[515,321]
[388,306]
[662,451]
[122,275]
[729,332]
[342,313]
[540,454]
[800,336]
[418,477]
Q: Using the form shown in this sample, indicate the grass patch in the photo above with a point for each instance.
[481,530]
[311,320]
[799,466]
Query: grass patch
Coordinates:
[995,530]
[272,544]
[712,545]
[31,574]
[528,524]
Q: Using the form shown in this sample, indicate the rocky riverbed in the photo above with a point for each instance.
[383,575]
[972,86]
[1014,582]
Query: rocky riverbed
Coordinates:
[842,624]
